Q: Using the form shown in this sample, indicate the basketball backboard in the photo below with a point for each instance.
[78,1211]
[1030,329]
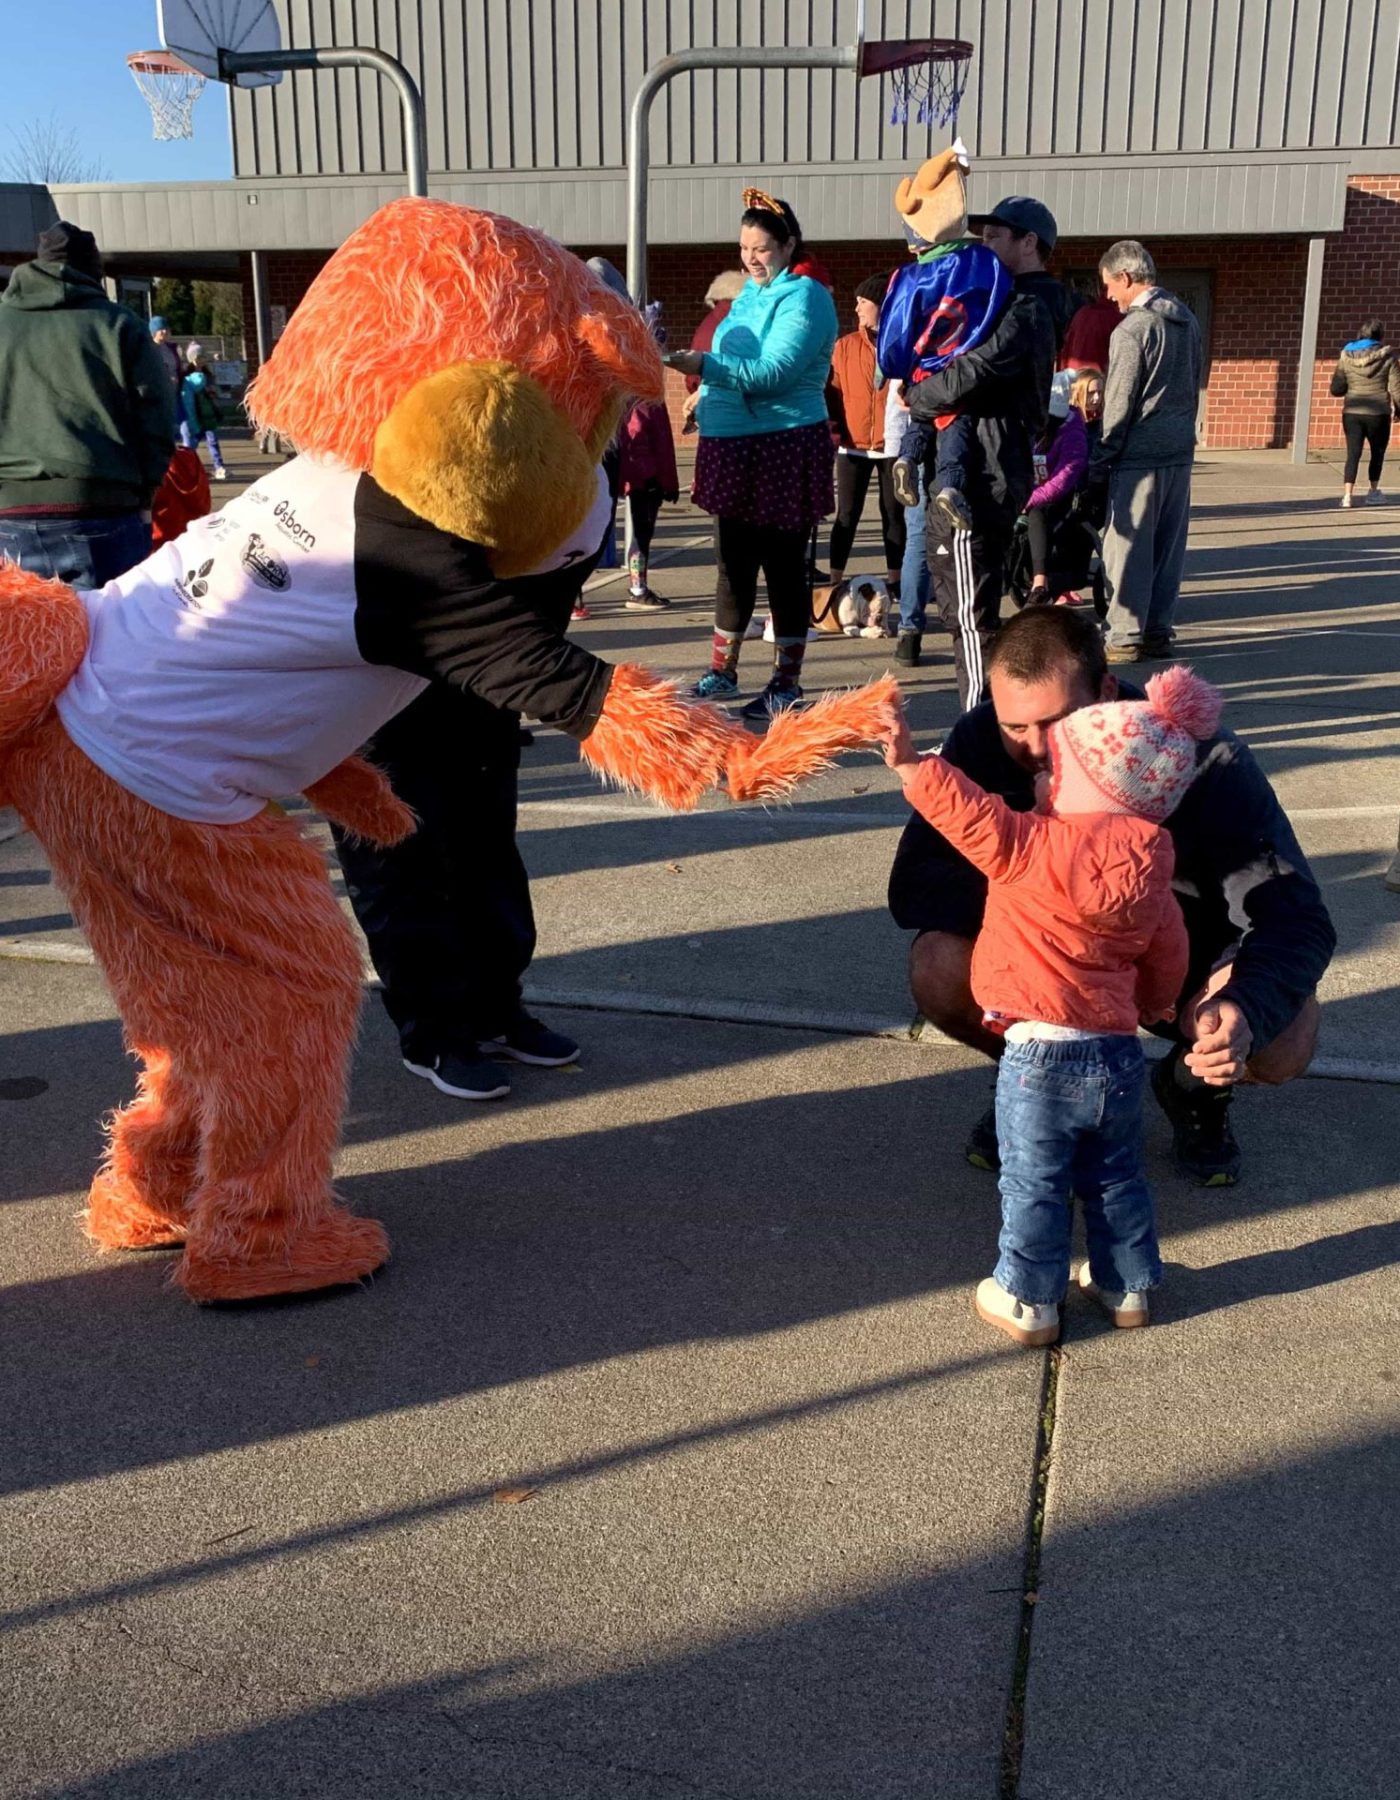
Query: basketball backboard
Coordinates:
[197,30]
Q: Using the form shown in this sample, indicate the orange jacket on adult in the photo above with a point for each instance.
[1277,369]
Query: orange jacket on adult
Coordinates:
[1081,927]
[852,399]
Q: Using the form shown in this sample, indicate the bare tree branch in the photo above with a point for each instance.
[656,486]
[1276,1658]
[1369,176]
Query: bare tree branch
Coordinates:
[46,151]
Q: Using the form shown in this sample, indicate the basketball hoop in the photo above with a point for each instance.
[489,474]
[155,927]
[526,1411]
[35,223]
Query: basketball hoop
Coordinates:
[928,73]
[170,88]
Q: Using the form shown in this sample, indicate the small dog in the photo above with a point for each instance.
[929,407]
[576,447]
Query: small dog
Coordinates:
[864,608]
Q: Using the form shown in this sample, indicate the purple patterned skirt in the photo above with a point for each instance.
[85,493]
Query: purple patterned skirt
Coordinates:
[781,478]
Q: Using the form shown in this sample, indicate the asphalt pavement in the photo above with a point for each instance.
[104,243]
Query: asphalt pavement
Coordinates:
[666,1457]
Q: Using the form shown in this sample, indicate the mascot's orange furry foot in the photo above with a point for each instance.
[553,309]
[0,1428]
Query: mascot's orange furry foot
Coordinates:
[331,1250]
[650,739]
[140,1198]
[120,1216]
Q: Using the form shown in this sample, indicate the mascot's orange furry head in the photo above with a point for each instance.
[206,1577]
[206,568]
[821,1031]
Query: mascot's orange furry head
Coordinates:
[474,367]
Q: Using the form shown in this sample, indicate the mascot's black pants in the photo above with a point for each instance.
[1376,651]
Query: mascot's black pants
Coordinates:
[447,913]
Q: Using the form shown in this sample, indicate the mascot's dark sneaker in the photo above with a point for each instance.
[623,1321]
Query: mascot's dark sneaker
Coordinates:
[981,1149]
[1200,1120]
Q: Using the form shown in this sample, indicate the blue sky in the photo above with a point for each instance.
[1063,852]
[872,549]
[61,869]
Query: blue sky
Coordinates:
[67,58]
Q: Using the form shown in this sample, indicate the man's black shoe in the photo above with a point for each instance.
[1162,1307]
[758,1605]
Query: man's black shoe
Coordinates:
[982,1149]
[1200,1120]
[907,649]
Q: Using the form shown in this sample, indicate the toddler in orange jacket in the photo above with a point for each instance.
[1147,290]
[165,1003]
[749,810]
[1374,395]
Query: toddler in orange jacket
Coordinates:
[1081,943]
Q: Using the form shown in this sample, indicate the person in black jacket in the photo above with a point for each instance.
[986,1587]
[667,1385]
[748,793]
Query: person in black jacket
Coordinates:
[1004,385]
[1248,1009]
[87,418]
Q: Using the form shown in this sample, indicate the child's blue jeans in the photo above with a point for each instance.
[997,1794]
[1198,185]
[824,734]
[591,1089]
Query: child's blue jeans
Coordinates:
[953,453]
[1069,1121]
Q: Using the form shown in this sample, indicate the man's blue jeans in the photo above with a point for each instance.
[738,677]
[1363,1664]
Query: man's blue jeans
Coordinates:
[914,575]
[85,552]
[1069,1121]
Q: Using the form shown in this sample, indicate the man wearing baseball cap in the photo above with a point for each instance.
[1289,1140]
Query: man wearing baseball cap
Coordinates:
[1004,384]
[1022,232]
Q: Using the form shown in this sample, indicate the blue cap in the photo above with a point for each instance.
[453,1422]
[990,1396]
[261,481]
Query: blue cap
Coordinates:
[157,324]
[1021,213]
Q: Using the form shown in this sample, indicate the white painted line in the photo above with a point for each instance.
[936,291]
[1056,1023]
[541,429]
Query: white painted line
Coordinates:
[601,580]
[833,1022]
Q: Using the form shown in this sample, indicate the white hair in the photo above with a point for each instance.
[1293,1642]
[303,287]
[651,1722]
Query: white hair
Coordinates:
[1128,257]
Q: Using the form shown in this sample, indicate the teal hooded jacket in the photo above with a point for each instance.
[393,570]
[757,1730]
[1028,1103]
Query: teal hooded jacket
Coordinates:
[771,357]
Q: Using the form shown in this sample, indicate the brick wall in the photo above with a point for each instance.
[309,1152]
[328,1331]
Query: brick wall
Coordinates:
[1360,276]
[1257,287]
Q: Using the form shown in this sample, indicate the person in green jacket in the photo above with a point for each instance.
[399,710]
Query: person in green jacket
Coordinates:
[200,415]
[765,460]
[87,418]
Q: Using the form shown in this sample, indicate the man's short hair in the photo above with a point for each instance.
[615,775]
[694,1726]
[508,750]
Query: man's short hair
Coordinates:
[1044,640]
[1128,257]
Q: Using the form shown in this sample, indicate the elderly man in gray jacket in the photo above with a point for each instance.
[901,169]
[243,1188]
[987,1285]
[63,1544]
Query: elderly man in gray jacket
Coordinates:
[1145,452]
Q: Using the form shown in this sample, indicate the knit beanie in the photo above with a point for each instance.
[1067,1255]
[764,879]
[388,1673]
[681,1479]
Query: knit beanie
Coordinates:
[1133,756]
[69,245]
[156,324]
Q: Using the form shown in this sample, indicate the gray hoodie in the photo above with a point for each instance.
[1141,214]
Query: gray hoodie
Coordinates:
[1152,388]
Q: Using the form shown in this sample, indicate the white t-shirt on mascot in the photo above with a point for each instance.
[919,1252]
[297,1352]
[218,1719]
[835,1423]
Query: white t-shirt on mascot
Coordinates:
[243,661]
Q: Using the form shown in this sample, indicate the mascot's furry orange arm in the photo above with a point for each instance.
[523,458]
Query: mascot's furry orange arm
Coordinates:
[652,741]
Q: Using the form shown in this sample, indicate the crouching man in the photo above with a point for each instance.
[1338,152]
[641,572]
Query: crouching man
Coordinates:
[1260,934]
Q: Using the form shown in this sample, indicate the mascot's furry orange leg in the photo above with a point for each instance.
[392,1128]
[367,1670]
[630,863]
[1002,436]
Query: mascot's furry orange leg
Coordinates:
[236,976]
[238,982]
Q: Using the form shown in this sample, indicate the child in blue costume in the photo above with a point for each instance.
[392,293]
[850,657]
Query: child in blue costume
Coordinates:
[943,303]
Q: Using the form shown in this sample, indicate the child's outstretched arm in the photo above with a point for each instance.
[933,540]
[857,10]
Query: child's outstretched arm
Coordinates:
[982,826]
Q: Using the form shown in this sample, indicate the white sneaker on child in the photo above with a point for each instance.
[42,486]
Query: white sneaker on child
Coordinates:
[1029,1325]
[1126,1310]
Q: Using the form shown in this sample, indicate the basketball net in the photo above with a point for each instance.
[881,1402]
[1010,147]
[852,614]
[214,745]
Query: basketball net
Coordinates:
[170,88]
[934,89]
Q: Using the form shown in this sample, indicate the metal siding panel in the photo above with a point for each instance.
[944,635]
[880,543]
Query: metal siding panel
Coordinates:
[566,123]
[1220,78]
[1384,60]
[612,66]
[1333,62]
[1146,48]
[1118,97]
[772,28]
[1302,86]
[1251,42]
[993,47]
[1094,79]
[589,84]
[1171,74]
[1357,72]
[1069,30]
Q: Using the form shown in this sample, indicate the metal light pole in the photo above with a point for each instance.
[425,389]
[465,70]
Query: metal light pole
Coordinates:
[718,56]
[415,133]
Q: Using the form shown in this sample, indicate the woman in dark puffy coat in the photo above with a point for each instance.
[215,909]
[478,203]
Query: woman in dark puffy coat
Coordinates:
[1367,382]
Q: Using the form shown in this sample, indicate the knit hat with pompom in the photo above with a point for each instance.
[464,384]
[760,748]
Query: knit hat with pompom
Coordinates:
[1133,756]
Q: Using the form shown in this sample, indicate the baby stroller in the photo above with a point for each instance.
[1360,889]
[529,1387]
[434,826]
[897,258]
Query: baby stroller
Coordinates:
[1075,559]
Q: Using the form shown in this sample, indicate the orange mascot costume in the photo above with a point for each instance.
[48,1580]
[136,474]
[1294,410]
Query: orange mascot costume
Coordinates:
[450,382]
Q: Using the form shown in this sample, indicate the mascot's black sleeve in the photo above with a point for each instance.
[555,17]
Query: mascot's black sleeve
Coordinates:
[428,603]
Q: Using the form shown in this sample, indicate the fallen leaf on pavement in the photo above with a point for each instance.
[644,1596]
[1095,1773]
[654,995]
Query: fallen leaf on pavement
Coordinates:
[512,1496]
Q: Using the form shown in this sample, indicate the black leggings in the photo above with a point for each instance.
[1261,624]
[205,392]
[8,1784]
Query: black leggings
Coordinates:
[852,485]
[741,550]
[1360,429]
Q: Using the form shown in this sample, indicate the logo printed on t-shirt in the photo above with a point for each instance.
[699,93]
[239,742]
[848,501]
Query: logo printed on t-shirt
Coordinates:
[267,570]
[194,583]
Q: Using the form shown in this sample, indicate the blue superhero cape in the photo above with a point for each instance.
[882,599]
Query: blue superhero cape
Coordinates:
[935,310]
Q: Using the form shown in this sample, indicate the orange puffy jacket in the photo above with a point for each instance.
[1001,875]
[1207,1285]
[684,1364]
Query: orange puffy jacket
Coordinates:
[855,403]
[1081,927]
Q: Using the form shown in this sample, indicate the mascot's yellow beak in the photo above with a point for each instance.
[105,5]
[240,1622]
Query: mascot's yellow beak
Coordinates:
[480,450]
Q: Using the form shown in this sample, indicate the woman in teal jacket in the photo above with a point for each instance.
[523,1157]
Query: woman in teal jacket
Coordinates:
[764,463]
